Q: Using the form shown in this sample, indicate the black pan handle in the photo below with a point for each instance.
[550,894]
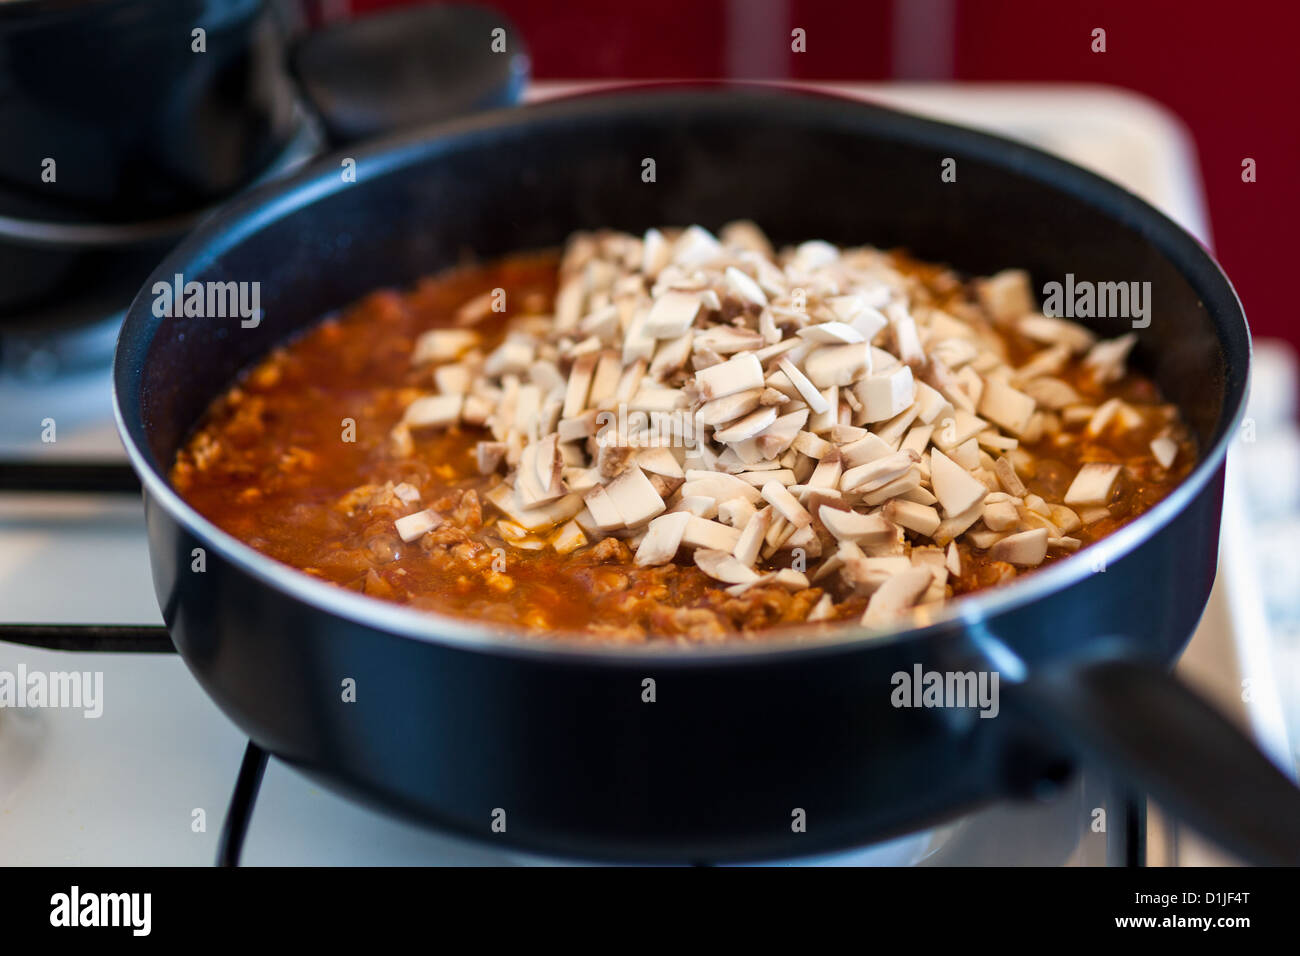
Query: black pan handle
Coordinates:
[408,67]
[1126,712]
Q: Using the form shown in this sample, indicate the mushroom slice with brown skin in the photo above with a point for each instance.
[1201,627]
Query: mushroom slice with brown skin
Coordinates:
[549,463]
[671,357]
[537,479]
[1005,472]
[489,455]
[1093,484]
[1026,549]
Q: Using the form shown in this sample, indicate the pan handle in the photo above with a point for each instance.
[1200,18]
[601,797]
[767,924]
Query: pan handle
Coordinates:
[1130,714]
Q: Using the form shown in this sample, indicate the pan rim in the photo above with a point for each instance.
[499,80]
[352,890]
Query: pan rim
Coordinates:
[391,154]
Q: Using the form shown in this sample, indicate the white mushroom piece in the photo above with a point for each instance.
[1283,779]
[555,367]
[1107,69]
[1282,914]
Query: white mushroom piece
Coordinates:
[1093,484]
[813,417]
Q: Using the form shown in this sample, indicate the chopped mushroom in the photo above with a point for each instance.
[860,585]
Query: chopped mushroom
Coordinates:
[662,539]
[854,526]
[443,345]
[738,374]
[899,593]
[1004,406]
[1025,549]
[955,487]
[1093,484]
[1165,450]
[722,566]
[815,399]
[417,525]
[433,411]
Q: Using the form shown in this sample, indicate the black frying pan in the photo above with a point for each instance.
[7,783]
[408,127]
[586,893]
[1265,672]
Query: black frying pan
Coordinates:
[454,721]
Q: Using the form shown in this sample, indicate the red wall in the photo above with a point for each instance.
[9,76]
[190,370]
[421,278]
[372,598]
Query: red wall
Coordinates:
[1229,70]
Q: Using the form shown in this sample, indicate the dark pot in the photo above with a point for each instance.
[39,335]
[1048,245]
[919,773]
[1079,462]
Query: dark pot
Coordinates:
[454,720]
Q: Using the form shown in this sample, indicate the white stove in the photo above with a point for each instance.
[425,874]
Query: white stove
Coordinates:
[149,780]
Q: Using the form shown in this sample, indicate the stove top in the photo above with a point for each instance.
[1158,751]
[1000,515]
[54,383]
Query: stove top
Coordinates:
[149,780]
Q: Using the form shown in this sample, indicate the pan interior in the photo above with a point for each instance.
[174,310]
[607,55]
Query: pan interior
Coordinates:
[802,167]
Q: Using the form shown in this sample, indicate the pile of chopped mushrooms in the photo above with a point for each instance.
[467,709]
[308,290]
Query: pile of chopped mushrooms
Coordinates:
[772,417]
